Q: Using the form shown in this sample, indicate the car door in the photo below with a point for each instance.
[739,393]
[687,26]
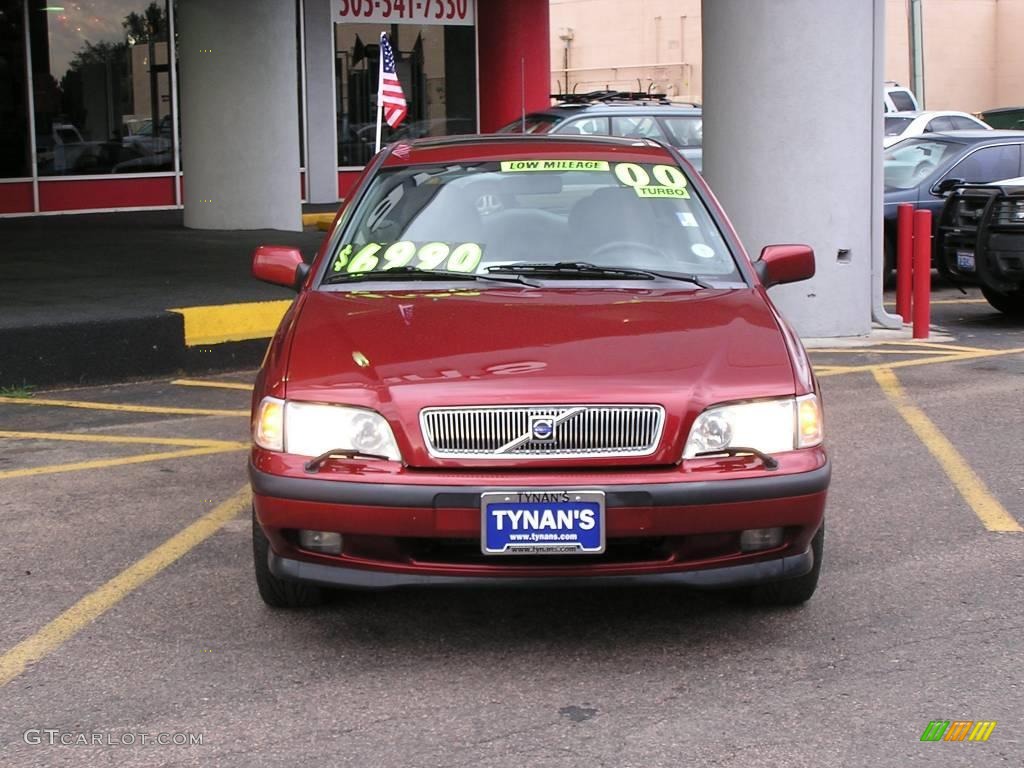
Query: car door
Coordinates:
[979,166]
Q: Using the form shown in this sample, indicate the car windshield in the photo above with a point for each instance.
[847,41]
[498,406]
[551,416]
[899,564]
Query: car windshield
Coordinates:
[531,124]
[894,126]
[473,217]
[911,161]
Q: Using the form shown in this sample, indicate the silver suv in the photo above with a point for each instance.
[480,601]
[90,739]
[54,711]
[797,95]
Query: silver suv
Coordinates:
[615,113]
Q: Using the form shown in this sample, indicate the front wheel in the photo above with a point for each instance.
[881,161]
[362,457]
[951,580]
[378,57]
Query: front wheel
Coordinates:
[792,591]
[278,593]
[1011,304]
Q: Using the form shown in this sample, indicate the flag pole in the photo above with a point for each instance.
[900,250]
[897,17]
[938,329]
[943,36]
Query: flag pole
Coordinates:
[380,92]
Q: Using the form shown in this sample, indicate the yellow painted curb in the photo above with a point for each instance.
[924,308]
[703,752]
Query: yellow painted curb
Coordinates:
[219,323]
[319,220]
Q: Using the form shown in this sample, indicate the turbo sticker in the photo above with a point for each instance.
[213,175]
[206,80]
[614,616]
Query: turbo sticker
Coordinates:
[662,192]
[514,166]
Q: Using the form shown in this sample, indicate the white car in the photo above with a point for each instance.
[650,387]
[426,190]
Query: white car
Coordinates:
[902,125]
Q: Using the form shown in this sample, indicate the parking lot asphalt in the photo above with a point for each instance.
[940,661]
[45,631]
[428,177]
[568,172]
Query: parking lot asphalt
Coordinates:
[130,609]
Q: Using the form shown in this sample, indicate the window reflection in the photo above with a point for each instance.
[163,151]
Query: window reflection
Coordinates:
[101,83]
[14,147]
[437,69]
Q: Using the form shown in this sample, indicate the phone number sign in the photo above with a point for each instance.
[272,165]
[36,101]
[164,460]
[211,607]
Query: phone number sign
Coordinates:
[404,11]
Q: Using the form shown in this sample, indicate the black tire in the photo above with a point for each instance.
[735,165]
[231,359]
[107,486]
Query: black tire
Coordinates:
[279,593]
[792,591]
[1011,304]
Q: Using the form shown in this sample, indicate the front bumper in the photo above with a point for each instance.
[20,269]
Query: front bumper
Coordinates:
[684,533]
[711,578]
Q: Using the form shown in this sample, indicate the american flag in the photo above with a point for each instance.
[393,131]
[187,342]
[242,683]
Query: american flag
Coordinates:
[391,94]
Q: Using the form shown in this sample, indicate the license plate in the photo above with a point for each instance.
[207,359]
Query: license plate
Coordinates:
[965,261]
[542,522]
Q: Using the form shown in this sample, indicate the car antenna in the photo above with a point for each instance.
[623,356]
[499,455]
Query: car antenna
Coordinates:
[522,89]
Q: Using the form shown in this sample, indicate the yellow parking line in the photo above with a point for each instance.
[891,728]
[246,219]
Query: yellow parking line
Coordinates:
[213,384]
[93,406]
[875,351]
[74,437]
[953,358]
[120,461]
[986,506]
[95,604]
[937,345]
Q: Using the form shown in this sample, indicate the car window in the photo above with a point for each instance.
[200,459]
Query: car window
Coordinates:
[637,127]
[911,161]
[894,126]
[586,126]
[939,124]
[468,217]
[964,124]
[684,130]
[532,124]
[988,164]
[902,100]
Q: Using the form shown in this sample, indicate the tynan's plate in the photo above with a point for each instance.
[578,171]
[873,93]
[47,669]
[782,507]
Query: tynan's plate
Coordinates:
[542,522]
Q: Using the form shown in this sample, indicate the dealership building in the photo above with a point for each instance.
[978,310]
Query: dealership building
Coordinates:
[255,108]
[239,111]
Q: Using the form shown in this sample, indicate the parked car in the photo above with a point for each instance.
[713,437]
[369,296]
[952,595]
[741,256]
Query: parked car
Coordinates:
[903,125]
[980,241]
[540,360]
[614,113]
[922,170]
[899,99]
[1004,117]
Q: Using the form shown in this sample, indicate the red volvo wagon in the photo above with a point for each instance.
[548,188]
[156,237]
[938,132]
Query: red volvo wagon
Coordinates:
[535,359]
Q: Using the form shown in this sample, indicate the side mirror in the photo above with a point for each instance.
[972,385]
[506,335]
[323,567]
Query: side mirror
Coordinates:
[947,185]
[785,264]
[279,265]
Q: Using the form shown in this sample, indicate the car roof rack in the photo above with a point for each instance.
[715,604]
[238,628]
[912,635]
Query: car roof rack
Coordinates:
[614,97]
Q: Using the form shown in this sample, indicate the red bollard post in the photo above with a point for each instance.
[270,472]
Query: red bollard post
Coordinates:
[922,273]
[904,259]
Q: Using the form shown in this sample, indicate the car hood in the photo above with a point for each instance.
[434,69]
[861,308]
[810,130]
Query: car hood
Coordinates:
[399,352]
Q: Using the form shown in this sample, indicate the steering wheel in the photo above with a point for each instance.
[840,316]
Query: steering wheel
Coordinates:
[633,249]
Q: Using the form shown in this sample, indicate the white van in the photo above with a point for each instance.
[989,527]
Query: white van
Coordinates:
[899,99]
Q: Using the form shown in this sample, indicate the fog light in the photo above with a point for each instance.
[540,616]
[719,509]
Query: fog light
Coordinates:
[756,539]
[327,542]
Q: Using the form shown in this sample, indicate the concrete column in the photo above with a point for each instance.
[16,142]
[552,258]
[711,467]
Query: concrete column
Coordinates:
[792,144]
[321,112]
[239,114]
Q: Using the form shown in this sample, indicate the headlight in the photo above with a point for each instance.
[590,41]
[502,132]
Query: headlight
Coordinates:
[268,426]
[311,429]
[770,426]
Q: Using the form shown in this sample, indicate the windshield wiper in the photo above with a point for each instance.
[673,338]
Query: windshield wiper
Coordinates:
[574,269]
[415,273]
[313,465]
[770,462]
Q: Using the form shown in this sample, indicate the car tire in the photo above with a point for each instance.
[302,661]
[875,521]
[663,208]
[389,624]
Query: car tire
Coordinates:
[1011,304]
[279,593]
[792,591]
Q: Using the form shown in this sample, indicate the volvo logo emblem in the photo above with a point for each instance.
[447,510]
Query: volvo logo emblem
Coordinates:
[542,427]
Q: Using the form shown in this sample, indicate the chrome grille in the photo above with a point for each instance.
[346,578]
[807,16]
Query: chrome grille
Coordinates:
[508,432]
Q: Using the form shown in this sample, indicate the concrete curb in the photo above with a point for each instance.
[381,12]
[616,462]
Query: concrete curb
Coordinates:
[189,340]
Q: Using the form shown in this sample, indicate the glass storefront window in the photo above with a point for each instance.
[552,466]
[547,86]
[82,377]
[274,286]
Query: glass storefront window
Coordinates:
[437,68]
[15,160]
[102,88]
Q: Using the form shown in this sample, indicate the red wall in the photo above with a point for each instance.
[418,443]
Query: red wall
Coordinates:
[122,192]
[509,31]
[16,197]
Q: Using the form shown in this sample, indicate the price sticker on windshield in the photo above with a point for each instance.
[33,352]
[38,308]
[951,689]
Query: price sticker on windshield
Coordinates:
[380,257]
[662,181]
